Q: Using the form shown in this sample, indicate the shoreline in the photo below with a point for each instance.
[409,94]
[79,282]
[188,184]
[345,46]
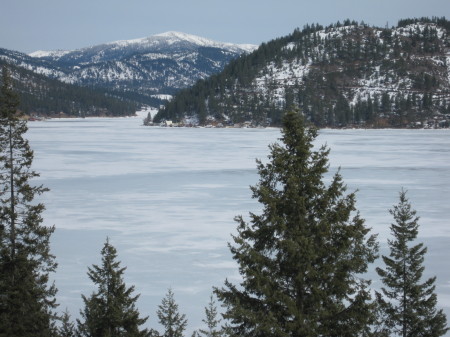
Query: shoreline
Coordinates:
[210,126]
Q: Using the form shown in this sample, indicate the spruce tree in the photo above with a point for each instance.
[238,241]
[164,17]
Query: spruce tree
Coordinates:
[27,300]
[301,258]
[211,320]
[111,310]
[169,317]
[67,328]
[148,119]
[407,304]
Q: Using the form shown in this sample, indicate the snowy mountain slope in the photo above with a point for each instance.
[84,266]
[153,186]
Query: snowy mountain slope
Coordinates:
[39,66]
[155,65]
[343,74]
[378,79]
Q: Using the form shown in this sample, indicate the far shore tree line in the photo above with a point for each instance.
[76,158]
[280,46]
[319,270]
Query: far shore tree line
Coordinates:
[302,260]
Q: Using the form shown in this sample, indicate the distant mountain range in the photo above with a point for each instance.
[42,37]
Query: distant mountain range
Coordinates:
[346,74]
[139,71]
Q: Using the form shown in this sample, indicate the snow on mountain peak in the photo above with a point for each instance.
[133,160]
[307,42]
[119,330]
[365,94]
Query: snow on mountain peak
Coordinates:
[169,38]
[173,37]
[45,53]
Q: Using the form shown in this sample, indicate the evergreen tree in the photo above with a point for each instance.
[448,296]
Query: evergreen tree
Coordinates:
[148,120]
[111,310]
[173,322]
[26,298]
[67,328]
[407,305]
[211,320]
[301,257]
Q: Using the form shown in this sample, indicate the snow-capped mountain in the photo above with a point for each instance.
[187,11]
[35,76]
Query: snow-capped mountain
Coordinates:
[142,68]
[165,43]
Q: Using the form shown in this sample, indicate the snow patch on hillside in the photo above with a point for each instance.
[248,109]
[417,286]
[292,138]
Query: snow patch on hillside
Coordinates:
[52,73]
[447,60]
[274,78]
[174,37]
[163,96]
[44,53]
[144,111]
[336,32]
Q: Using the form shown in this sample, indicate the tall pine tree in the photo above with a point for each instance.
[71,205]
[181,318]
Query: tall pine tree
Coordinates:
[301,259]
[211,320]
[170,318]
[27,300]
[67,327]
[111,310]
[408,305]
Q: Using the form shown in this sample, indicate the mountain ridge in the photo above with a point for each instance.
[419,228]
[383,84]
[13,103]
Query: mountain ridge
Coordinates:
[170,37]
[140,70]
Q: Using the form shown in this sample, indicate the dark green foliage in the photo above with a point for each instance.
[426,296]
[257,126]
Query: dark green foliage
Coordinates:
[111,310]
[301,258]
[211,320]
[67,328]
[408,306]
[441,21]
[26,299]
[169,317]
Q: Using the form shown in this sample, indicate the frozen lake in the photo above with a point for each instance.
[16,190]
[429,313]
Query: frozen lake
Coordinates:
[166,197]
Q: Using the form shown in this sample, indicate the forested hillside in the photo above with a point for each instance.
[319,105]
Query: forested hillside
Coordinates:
[45,97]
[346,74]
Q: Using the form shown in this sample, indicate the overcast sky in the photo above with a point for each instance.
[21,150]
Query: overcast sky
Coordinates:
[30,25]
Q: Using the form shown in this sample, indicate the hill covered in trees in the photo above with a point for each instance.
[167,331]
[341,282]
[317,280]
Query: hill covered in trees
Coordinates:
[346,74]
[45,97]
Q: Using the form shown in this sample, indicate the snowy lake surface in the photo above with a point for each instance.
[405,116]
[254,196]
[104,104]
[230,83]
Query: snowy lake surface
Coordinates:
[166,198]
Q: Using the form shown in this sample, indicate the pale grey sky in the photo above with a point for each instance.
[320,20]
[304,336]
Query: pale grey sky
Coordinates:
[30,25]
